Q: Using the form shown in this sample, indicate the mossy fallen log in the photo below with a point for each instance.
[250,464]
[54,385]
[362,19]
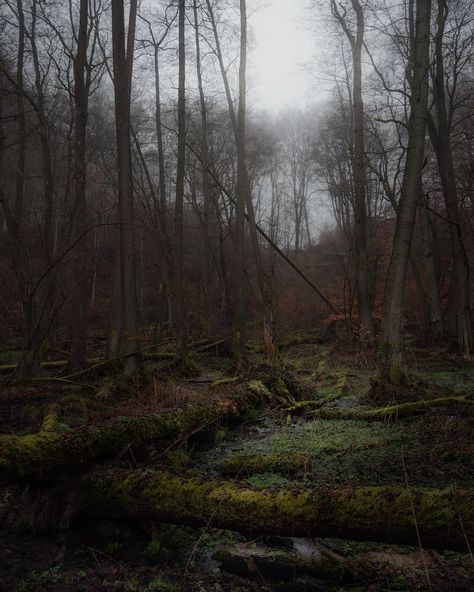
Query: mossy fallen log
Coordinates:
[34,456]
[444,518]
[264,564]
[378,568]
[397,411]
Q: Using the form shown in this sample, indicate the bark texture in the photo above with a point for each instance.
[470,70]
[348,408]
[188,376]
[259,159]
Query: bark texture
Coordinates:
[391,366]
[35,456]
[443,519]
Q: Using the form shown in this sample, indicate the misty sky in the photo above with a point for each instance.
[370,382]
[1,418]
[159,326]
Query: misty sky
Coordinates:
[281,44]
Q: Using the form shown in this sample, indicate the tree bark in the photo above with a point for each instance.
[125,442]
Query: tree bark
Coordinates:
[123,64]
[179,312]
[33,457]
[432,283]
[209,200]
[362,266]
[241,188]
[458,317]
[79,281]
[391,362]
[444,519]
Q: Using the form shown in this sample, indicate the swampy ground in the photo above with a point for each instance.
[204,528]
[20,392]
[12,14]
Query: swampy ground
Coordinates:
[281,444]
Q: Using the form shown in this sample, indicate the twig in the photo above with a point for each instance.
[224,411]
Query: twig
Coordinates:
[416,524]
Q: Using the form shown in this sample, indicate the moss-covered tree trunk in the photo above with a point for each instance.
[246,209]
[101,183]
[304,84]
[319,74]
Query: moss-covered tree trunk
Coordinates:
[36,456]
[443,518]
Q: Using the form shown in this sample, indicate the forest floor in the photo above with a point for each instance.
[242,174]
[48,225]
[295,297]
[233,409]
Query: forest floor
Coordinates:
[281,445]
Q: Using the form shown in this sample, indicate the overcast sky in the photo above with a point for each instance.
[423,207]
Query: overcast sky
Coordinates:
[281,44]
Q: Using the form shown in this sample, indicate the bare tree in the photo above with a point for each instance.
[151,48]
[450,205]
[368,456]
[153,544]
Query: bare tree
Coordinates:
[391,367]
[122,68]
[362,268]
[78,355]
[458,318]
[179,308]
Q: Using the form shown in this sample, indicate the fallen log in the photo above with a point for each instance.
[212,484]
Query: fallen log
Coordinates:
[441,518]
[396,411]
[34,456]
[378,566]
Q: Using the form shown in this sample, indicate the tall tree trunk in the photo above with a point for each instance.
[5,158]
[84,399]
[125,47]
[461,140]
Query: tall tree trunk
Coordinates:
[222,67]
[180,320]
[458,317]
[159,135]
[209,213]
[123,64]
[79,281]
[15,218]
[46,149]
[432,283]
[391,361]
[241,187]
[362,266]
[167,275]
[243,198]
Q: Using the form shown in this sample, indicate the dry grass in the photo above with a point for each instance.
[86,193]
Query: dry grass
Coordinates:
[160,396]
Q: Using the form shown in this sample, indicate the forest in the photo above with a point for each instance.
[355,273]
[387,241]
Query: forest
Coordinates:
[236,338]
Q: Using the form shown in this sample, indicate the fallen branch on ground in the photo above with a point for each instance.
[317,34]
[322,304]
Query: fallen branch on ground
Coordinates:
[396,411]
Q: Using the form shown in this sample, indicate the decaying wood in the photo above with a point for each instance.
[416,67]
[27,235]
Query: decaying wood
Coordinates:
[397,411]
[442,518]
[34,456]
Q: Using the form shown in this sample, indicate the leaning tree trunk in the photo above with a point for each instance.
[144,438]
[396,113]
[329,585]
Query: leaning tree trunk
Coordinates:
[391,362]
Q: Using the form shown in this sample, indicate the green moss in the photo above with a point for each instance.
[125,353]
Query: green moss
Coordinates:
[266,480]
[51,419]
[223,381]
[367,513]
[257,387]
[36,455]
[397,411]
[252,464]
[161,584]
